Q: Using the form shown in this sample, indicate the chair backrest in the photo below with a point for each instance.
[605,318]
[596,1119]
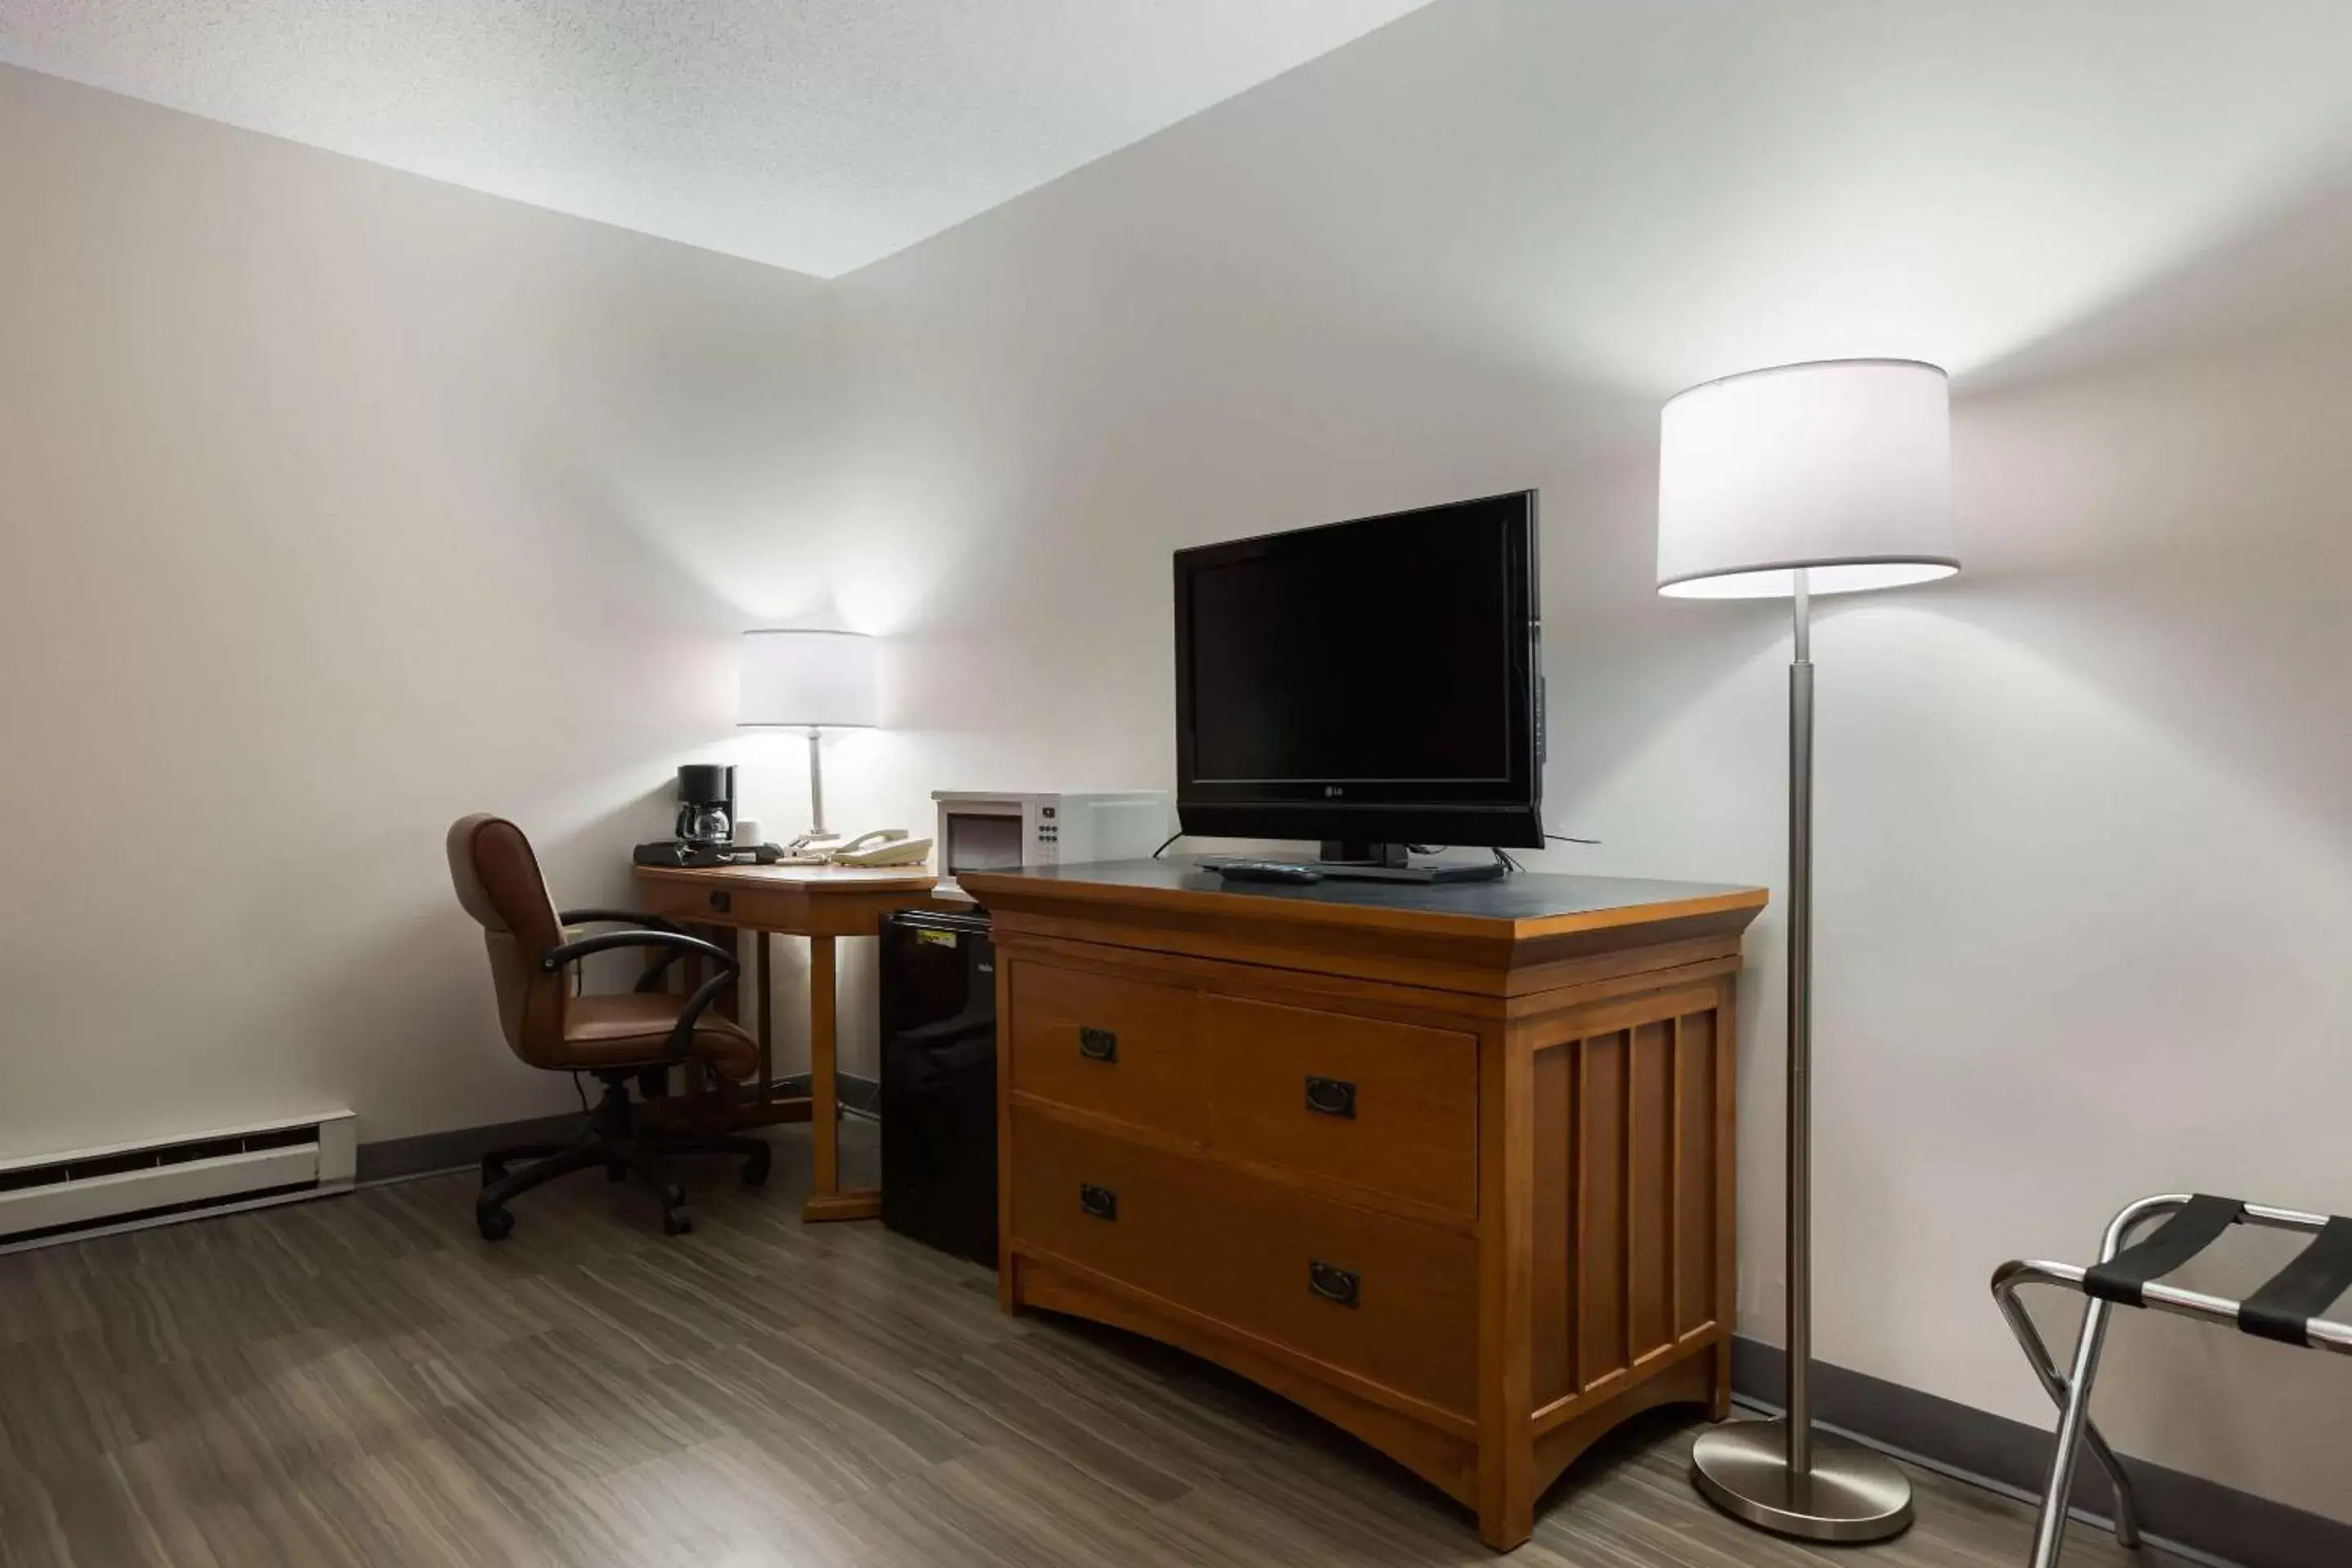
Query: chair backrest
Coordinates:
[497,881]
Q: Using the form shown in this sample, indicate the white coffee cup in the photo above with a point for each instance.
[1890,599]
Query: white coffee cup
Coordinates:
[747,831]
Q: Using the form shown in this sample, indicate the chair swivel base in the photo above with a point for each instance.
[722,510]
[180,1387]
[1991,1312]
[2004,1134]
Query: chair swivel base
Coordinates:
[616,1142]
[1851,1494]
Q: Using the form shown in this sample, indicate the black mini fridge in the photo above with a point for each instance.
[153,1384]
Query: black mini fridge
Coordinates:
[938,1080]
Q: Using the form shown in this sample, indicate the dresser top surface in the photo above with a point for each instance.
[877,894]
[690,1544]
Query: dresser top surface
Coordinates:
[1526,903]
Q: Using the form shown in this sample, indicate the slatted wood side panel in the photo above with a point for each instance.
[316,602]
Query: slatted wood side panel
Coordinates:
[1552,1309]
[1597,1254]
[1649,1176]
[1697,1083]
[1625,1181]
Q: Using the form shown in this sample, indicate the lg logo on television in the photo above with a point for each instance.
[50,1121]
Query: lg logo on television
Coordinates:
[1331,792]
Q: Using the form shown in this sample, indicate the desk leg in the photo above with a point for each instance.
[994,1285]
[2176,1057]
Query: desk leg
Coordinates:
[827,1200]
[763,968]
[729,1106]
[730,1003]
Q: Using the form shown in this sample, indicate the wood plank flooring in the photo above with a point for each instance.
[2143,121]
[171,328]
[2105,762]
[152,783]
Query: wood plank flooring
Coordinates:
[362,1381]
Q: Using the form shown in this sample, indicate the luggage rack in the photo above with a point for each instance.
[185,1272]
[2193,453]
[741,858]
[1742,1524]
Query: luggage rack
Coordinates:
[2129,1274]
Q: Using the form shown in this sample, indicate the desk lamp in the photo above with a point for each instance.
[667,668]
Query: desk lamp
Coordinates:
[1828,477]
[812,680]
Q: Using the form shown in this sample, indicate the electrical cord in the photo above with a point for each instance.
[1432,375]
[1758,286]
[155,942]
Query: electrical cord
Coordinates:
[1165,843]
[1513,863]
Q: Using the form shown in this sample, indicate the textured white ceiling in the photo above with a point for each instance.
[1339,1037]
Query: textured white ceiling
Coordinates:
[814,134]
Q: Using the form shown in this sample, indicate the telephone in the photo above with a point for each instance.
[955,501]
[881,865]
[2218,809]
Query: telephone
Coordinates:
[883,847]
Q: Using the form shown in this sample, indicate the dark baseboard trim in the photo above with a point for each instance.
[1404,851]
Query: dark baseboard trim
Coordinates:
[396,1159]
[2213,1521]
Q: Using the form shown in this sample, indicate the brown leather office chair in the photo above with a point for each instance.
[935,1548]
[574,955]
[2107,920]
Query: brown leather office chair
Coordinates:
[636,1036]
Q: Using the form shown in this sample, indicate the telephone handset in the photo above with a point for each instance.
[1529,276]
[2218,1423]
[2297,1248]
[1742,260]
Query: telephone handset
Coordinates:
[883,847]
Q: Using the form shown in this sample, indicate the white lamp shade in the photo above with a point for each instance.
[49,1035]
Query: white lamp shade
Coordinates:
[1841,467]
[817,679]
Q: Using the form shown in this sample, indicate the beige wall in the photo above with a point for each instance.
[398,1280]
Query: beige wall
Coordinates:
[2086,872]
[335,503]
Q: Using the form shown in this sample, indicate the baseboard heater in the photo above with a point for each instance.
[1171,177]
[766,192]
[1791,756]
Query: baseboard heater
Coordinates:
[49,1198]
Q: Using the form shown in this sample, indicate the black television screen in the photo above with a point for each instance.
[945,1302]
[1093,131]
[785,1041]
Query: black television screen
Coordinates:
[1367,682]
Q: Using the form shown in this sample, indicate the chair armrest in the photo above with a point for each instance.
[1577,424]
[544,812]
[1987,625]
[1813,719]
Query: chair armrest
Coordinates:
[656,974]
[557,957]
[599,915]
[690,1014]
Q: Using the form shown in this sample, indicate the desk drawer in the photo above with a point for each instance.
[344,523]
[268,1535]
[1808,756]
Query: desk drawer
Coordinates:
[1116,1046]
[1390,1299]
[1391,1109]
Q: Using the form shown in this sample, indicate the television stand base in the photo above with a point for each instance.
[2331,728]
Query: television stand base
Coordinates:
[1346,862]
[1358,871]
[1349,860]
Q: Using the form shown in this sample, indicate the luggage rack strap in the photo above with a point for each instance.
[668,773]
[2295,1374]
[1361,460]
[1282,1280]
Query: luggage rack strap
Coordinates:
[2284,1308]
[2195,1227]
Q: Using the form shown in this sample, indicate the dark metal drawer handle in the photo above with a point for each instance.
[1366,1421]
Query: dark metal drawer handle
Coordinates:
[1099,1202]
[1344,1286]
[722,902]
[1331,1097]
[1099,1045]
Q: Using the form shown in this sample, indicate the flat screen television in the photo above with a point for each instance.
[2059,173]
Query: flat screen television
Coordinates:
[1367,685]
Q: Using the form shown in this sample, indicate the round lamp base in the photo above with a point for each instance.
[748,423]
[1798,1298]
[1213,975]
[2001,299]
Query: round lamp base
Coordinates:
[1851,1494]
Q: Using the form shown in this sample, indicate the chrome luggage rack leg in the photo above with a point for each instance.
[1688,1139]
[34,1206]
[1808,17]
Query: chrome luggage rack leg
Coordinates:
[2280,1311]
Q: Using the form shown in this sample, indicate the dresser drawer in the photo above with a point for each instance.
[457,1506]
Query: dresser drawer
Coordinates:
[1388,1298]
[1391,1109]
[1103,1043]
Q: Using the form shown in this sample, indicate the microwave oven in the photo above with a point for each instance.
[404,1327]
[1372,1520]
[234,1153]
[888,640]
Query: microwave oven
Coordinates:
[983,832]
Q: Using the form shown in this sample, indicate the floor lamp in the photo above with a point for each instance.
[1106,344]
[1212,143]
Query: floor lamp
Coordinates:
[1828,477]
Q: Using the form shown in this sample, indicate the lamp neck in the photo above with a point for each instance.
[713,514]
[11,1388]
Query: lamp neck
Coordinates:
[1801,613]
[816,780]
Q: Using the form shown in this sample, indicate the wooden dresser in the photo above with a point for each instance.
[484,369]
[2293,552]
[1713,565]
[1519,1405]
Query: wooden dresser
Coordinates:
[1451,1166]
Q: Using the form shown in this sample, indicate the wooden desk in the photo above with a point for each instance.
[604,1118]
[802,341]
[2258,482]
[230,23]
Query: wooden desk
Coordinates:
[1451,1166]
[819,902]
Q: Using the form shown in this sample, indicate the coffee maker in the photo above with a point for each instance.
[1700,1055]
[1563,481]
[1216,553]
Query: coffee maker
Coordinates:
[705,806]
[704,834]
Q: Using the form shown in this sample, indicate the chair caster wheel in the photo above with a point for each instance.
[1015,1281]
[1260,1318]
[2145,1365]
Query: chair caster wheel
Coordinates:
[677,1222]
[494,1224]
[755,1168]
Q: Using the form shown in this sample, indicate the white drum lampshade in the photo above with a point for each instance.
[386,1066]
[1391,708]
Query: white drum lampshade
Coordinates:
[1841,467]
[811,680]
[820,680]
